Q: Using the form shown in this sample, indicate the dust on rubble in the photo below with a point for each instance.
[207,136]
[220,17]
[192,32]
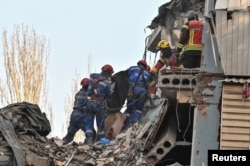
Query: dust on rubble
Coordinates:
[23,139]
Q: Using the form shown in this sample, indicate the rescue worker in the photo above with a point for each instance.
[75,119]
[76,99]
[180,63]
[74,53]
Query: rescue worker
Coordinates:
[99,91]
[138,79]
[190,43]
[166,58]
[78,113]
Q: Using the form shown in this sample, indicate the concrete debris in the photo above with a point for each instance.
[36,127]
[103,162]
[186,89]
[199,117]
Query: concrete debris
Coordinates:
[113,124]
[37,149]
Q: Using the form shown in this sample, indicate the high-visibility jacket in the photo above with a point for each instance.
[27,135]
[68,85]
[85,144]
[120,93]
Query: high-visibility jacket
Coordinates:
[191,36]
[159,64]
[171,61]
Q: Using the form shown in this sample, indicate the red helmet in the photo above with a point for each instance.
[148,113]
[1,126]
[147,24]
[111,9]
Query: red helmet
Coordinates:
[148,68]
[142,62]
[108,68]
[84,82]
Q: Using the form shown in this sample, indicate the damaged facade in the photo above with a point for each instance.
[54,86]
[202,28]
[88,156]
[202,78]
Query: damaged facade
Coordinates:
[217,93]
[199,109]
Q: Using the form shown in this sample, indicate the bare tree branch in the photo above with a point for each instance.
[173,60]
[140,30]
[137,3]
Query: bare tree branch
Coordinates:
[26,60]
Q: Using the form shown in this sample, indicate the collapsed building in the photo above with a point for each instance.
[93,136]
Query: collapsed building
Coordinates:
[199,109]
[217,93]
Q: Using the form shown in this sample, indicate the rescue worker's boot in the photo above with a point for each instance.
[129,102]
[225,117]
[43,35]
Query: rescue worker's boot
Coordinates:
[88,141]
[67,139]
[99,136]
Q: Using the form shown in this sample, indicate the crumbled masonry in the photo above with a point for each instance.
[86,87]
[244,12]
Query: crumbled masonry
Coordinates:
[23,139]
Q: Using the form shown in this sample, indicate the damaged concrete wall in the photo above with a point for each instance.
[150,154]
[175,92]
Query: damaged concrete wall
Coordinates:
[171,16]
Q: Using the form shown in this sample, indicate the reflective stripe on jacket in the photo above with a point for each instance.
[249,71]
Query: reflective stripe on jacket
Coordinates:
[138,76]
[191,36]
[80,99]
[195,35]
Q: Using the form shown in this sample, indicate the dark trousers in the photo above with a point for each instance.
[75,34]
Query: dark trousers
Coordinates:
[76,122]
[95,110]
[191,59]
[135,106]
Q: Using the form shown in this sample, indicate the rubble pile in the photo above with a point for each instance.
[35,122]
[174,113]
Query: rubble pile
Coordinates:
[23,140]
[124,150]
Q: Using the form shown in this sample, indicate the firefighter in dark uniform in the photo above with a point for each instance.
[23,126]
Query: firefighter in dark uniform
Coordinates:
[190,43]
[77,117]
[138,79]
[99,92]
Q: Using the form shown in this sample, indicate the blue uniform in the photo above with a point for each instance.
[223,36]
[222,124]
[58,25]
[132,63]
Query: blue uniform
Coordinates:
[99,91]
[77,116]
[139,80]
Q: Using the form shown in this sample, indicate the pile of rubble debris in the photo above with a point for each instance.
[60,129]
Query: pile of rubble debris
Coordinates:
[23,131]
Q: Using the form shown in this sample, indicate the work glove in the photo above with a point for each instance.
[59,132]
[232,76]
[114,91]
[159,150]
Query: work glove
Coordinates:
[172,61]
[178,60]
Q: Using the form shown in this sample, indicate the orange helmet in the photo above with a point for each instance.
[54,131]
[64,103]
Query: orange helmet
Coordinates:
[108,68]
[143,63]
[84,82]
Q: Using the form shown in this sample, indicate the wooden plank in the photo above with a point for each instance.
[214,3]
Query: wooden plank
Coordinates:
[224,39]
[235,130]
[235,137]
[235,16]
[230,5]
[228,64]
[234,110]
[232,148]
[233,96]
[233,87]
[235,116]
[236,103]
[240,104]
[236,90]
[235,123]
[233,91]
[221,4]
[240,44]
[237,5]
[243,4]
[235,144]
[248,67]
[219,29]
[246,27]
